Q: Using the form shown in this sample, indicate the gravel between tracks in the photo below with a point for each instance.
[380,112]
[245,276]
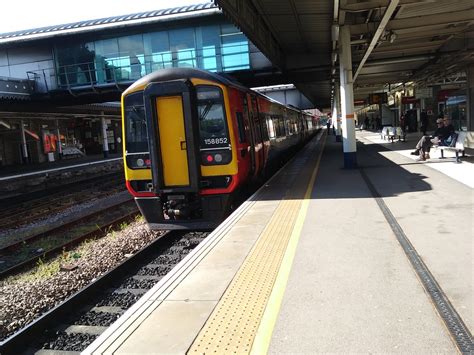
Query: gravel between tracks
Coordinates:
[15,234]
[25,297]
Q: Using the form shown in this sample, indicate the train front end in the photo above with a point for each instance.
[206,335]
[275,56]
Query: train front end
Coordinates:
[179,162]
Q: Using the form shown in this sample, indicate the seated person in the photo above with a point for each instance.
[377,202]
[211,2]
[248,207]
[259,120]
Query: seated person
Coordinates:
[441,134]
[448,130]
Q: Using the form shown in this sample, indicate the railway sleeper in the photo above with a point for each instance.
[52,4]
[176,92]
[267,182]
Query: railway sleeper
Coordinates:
[108,309]
[85,329]
[134,291]
[147,277]
[57,352]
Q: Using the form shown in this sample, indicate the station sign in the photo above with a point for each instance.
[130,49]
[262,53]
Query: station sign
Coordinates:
[423,92]
[378,98]
[443,95]
[409,100]
[359,102]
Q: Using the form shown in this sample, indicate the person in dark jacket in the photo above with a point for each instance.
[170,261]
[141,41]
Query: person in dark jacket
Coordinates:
[402,122]
[441,134]
[424,122]
[448,131]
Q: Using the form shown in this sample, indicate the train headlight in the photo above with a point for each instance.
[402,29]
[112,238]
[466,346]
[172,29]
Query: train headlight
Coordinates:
[138,160]
[218,158]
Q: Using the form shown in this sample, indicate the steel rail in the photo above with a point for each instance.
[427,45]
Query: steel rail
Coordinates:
[67,243]
[18,342]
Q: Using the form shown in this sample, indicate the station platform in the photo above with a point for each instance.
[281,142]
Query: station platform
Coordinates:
[16,171]
[322,260]
[23,180]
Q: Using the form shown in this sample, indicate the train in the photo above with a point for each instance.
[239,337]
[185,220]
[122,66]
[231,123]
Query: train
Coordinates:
[195,139]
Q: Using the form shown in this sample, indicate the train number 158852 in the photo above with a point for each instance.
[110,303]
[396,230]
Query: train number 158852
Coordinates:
[214,141]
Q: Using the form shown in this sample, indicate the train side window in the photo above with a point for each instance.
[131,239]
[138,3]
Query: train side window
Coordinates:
[271,127]
[281,121]
[241,127]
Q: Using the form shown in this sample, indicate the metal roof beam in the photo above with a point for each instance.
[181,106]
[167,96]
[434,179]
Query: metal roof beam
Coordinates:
[386,17]
[376,4]
[298,25]
[396,60]
[418,22]
[385,72]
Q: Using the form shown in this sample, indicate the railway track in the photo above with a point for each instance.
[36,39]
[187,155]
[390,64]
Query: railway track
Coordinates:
[24,212]
[75,323]
[26,251]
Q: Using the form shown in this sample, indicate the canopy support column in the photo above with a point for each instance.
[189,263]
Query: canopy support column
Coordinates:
[347,99]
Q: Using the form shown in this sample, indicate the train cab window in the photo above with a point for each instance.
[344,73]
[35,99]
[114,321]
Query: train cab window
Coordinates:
[214,137]
[136,134]
[135,124]
[212,123]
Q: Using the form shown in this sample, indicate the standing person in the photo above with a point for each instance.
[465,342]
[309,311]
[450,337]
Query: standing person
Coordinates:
[424,122]
[366,122]
[328,125]
[402,122]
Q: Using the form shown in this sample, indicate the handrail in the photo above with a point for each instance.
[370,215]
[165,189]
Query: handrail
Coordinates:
[97,73]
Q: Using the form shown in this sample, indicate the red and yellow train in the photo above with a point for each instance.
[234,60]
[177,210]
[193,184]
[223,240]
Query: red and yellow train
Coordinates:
[193,139]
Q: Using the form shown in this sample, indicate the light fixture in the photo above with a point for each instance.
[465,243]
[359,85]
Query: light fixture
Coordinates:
[392,37]
[335,32]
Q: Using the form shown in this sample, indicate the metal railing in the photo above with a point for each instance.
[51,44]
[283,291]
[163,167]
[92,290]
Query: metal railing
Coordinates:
[112,71]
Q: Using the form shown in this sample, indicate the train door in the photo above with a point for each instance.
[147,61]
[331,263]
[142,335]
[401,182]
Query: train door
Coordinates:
[174,148]
[173,154]
[247,112]
[256,128]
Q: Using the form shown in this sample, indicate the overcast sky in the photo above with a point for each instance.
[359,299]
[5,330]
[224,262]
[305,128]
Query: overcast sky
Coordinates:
[26,14]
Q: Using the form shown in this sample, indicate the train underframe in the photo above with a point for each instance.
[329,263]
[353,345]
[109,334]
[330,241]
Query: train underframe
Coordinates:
[185,210]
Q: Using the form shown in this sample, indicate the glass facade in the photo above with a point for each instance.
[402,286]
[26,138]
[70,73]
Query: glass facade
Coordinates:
[456,109]
[217,48]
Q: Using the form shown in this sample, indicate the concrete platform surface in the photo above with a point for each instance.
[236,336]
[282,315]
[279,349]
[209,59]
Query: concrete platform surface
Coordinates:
[344,283]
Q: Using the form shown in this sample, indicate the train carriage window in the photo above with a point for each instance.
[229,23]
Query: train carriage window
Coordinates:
[135,124]
[281,123]
[271,127]
[212,123]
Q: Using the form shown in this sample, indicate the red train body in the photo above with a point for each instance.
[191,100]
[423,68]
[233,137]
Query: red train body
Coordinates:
[194,139]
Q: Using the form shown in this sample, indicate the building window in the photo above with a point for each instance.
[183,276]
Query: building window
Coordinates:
[183,47]
[208,44]
[76,65]
[131,61]
[157,51]
[215,47]
[108,60]
[235,49]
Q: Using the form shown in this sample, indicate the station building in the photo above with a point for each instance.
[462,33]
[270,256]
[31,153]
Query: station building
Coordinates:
[61,85]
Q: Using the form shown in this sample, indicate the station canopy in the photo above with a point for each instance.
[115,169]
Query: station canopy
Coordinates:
[393,42]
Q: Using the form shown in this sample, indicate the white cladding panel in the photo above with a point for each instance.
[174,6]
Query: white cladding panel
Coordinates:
[29,54]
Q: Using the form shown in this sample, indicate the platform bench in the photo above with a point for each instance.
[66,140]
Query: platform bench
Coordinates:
[390,133]
[461,140]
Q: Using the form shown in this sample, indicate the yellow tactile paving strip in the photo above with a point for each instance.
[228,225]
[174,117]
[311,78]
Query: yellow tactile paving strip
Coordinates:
[234,323]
